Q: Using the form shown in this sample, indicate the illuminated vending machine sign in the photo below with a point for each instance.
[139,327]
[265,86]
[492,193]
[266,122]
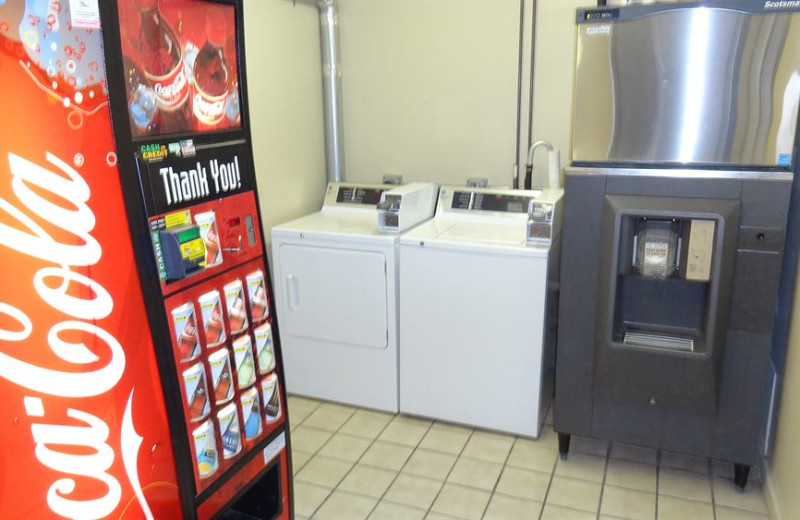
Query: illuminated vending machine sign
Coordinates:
[133,267]
[180,66]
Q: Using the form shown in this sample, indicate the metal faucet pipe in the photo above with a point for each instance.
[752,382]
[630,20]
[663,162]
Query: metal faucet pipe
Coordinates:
[553,165]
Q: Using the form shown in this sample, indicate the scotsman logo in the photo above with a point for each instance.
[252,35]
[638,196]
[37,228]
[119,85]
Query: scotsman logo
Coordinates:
[782,4]
[76,447]
[598,30]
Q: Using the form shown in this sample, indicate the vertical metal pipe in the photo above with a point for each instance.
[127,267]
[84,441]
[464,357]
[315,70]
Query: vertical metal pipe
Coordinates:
[532,82]
[515,180]
[332,88]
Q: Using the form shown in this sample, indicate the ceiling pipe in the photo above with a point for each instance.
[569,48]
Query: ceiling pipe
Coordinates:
[332,89]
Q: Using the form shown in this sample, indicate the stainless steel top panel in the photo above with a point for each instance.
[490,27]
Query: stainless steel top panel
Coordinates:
[684,173]
[709,83]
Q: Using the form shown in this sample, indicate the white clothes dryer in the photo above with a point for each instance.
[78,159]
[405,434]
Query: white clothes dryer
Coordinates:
[335,285]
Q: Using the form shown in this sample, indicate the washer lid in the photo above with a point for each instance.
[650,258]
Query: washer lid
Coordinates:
[483,233]
[463,235]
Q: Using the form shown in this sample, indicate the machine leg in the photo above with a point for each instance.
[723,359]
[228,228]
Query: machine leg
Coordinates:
[563,445]
[740,474]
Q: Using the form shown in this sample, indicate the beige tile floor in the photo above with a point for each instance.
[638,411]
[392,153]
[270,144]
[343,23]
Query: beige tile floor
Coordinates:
[352,464]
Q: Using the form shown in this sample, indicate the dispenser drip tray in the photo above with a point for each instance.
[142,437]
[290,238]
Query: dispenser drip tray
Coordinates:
[658,341]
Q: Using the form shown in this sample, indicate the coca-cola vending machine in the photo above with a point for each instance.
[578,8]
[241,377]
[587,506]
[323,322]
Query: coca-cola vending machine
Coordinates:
[140,363]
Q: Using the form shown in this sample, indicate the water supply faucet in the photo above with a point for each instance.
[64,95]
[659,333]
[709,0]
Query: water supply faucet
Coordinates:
[553,165]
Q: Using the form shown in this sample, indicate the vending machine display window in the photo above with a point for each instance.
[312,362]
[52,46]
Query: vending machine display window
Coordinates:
[180,64]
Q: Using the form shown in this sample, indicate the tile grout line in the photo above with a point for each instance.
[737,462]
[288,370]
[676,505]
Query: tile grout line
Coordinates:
[502,470]
[711,483]
[549,483]
[372,443]
[332,432]
[316,453]
[458,457]
[397,473]
[319,404]
[603,483]
[658,477]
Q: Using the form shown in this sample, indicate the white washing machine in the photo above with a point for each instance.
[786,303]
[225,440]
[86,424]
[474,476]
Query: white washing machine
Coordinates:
[478,304]
[335,276]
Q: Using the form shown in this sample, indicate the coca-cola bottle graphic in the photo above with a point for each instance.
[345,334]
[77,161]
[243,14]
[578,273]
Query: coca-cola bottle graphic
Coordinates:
[210,73]
[162,62]
[142,100]
[188,344]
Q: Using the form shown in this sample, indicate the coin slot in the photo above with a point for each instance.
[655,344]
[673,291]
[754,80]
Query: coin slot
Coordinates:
[251,230]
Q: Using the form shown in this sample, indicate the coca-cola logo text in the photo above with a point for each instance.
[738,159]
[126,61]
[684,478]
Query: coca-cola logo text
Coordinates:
[212,235]
[171,89]
[190,330]
[57,437]
[209,112]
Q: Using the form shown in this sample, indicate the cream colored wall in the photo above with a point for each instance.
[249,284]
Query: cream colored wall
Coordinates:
[429,92]
[285,92]
[429,89]
[553,78]
[784,474]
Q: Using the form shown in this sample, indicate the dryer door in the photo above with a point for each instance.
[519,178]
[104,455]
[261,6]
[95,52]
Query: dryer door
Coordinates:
[335,295]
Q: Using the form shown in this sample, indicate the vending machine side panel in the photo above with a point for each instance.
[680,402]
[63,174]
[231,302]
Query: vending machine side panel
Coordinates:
[85,430]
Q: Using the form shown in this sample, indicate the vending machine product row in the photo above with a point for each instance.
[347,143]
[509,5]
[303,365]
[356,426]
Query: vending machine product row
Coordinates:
[140,360]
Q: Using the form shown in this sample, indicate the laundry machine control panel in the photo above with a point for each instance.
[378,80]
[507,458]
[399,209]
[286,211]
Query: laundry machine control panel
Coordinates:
[406,206]
[346,194]
[501,202]
[544,217]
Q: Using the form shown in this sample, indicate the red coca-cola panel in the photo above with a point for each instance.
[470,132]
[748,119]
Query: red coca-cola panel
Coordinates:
[85,431]
[180,66]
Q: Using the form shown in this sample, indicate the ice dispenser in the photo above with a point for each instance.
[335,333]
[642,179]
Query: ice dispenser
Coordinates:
[658,270]
[669,263]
